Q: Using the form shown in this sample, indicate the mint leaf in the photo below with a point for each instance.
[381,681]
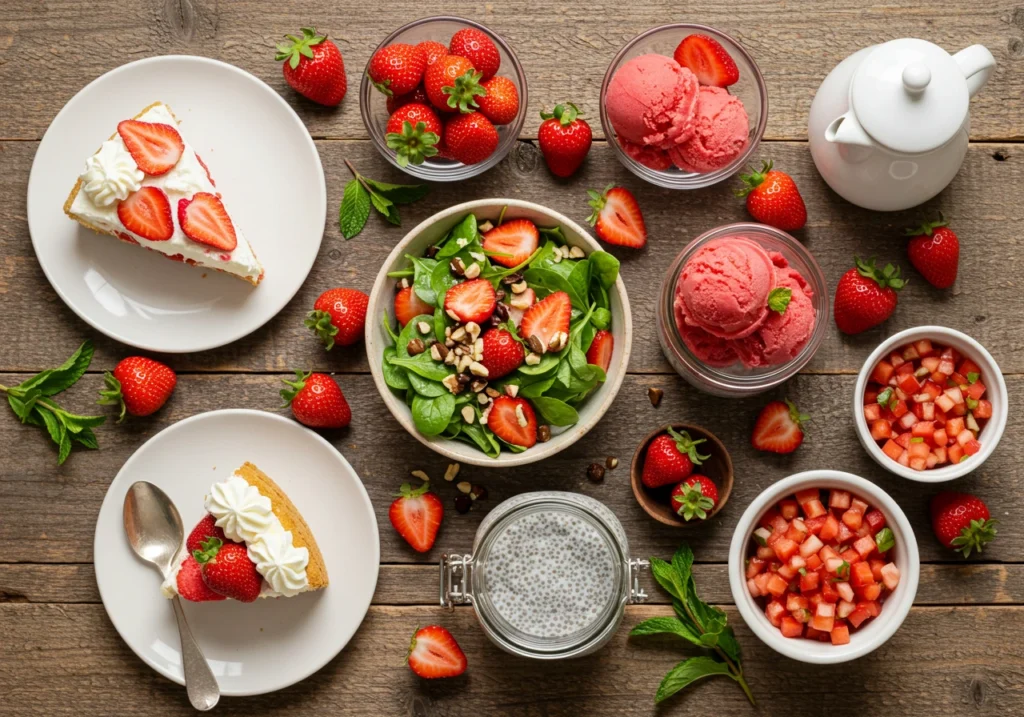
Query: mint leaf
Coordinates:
[76,423]
[778,299]
[67,374]
[688,672]
[727,644]
[399,193]
[64,445]
[668,578]
[669,625]
[355,209]
[386,207]
[23,405]
[50,422]
[86,438]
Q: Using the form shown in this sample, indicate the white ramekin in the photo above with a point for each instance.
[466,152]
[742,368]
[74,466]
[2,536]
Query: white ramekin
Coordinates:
[895,608]
[995,392]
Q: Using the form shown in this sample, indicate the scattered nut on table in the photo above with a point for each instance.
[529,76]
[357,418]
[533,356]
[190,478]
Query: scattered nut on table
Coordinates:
[655,394]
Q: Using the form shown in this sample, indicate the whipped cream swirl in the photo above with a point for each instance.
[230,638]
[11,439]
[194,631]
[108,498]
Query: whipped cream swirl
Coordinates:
[280,563]
[240,510]
[110,175]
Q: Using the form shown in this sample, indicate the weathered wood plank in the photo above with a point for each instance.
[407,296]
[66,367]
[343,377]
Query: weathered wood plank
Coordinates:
[40,331]
[565,48]
[906,676]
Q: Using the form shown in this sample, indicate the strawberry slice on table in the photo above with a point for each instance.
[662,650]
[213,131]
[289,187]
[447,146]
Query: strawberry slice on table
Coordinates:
[600,351]
[434,653]
[708,60]
[547,317]
[513,421]
[617,217]
[934,250]
[866,296]
[516,238]
[228,570]
[779,428]
[205,528]
[191,585]
[670,458]
[416,514]
[147,213]
[408,306]
[155,147]
[205,220]
[471,300]
[502,353]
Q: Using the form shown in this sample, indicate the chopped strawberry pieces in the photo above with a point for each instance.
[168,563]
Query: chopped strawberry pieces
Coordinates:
[205,220]
[147,213]
[155,147]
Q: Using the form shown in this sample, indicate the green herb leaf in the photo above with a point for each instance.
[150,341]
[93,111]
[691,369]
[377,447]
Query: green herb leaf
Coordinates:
[394,376]
[355,209]
[423,365]
[885,540]
[399,193]
[779,298]
[972,377]
[555,412]
[670,625]
[432,415]
[688,672]
[67,374]
[604,267]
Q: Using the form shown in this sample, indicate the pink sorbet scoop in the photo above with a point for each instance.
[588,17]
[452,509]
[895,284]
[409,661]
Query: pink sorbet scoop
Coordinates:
[719,135]
[651,102]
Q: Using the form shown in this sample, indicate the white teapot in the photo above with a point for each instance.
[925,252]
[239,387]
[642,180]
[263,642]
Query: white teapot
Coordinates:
[888,127]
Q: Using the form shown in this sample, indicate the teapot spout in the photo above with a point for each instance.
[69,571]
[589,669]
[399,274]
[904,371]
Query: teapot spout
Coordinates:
[845,129]
[977,63]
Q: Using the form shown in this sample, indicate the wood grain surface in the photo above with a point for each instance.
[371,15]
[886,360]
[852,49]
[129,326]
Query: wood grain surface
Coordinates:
[960,650]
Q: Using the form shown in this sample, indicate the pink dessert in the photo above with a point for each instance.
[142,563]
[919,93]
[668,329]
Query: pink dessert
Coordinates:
[719,136]
[782,336]
[652,102]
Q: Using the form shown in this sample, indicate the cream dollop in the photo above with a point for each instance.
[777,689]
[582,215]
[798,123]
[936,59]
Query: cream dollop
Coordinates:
[280,563]
[240,510]
[110,175]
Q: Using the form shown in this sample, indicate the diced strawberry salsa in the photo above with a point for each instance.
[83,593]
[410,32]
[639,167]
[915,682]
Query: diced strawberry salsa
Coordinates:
[925,405]
[821,564]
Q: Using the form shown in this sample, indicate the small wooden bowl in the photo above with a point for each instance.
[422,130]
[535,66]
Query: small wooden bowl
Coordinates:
[718,468]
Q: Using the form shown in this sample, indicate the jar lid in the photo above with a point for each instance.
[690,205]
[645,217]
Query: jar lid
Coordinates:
[910,95]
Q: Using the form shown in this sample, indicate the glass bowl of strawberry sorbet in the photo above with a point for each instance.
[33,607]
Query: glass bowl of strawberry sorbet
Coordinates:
[742,309]
[684,106]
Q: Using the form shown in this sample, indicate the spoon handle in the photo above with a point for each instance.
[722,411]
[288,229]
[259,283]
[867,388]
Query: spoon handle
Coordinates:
[203,691]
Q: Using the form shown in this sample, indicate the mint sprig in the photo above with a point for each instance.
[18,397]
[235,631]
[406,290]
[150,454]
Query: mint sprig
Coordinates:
[696,622]
[361,193]
[31,402]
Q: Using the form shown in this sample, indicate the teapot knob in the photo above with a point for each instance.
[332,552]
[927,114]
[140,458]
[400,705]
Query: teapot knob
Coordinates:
[916,77]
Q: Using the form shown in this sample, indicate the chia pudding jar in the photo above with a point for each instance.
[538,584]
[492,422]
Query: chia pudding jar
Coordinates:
[549,576]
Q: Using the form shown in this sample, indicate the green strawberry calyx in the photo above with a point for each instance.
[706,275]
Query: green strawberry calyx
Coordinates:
[596,202]
[413,144]
[975,536]
[566,113]
[887,278]
[407,491]
[320,323]
[795,416]
[754,179]
[927,228]
[778,299]
[207,550]
[462,95]
[687,446]
[692,503]
[294,387]
[112,394]
[298,48]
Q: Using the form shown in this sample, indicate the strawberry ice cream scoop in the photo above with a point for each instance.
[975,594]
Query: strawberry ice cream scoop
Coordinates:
[719,134]
[712,350]
[651,102]
[782,336]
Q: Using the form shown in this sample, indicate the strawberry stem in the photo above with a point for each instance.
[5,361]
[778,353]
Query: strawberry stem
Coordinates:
[753,180]
[299,47]
[887,278]
[927,228]
[565,113]
[688,447]
[975,536]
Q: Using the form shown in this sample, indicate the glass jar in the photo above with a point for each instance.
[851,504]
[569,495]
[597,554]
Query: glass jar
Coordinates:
[549,575]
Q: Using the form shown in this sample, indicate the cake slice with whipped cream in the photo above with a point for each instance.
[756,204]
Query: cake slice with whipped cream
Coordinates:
[253,543]
[147,186]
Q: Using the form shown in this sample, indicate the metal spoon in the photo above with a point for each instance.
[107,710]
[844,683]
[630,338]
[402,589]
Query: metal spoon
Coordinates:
[154,530]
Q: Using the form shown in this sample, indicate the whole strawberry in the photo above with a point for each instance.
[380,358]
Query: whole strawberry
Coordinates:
[866,296]
[934,250]
[961,521]
[313,67]
[478,48]
[670,458]
[204,530]
[432,51]
[227,570]
[695,497]
[502,353]
[191,585]
[470,138]
[413,132]
[453,84]
[397,69]
[317,401]
[419,96]
[338,317]
[500,104]
[773,199]
[564,139]
[140,385]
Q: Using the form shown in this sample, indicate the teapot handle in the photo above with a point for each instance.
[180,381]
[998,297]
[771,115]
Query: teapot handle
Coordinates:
[976,62]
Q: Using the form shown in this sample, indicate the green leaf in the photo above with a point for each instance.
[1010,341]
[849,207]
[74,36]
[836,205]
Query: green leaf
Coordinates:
[688,672]
[885,540]
[86,438]
[668,578]
[466,229]
[399,193]
[51,423]
[23,405]
[67,374]
[423,365]
[548,363]
[670,625]
[355,209]
[601,318]
[604,268]
[386,207]
[555,412]
[779,298]
[422,285]
[394,376]
[388,329]
[426,387]
[482,438]
[76,423]
[537,389]
[727,643]
[550,280]
[431,415]
[63,445]
[441,279]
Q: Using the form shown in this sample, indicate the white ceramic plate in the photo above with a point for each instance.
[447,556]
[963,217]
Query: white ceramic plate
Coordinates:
[272,643]
[264,163]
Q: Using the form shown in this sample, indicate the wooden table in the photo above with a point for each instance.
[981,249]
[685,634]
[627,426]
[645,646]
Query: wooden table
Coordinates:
[959,652]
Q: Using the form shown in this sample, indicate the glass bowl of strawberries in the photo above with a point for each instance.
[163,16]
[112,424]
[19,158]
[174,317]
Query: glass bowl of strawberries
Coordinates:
[443,98]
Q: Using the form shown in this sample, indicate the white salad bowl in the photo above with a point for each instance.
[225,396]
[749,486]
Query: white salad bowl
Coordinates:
[995,392]
[382,297]
[895,607]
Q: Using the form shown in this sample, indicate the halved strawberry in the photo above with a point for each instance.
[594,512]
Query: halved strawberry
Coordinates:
[205,528]
[416,514]
[600,351]
[155,147]
[205,220]
[518,238]
[617,217]
[434,653]
[778,428]
[708,60]
[408,306]
[470,301]
[147,213]
[191,585]
[547,317]
[506,420]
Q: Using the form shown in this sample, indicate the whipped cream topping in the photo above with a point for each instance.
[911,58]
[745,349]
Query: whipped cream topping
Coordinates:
[240,510]
[111,175]
[281,564]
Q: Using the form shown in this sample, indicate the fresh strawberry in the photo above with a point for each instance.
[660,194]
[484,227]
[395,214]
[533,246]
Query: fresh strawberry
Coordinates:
[470,138]
[600,351]
[961,521]
[564,139]
[547,317]
[471,300]
[313,67]
[205,220]
[397,69]
[408,306]
[501,103]
[317,401]
[513,421]
[452,84]
[413,131]
[416,515]
[670,458]
[773,199]
[339,316]
[502,353]
[228,570]
[516,238]
[155,147]
[419,96]
[433,653]
[695,497]
[708,60]
[191,585]
[779,428]
[432,51]
[147,212]
[934,250]
[205,528]
[866,296]
[140,385]
[478,48]
[617,217]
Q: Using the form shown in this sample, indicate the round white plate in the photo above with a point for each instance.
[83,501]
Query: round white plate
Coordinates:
[274,642]
[265,165]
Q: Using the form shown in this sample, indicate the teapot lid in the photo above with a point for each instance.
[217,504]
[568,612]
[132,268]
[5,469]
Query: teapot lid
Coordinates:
[910,95]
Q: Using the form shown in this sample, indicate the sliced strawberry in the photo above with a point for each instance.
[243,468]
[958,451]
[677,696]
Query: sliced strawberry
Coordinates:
[617,217]
[147,213]
[778,428]
[518,238]
[547,317]
[205,528]
[191,585]
[504,420]
[416,515]
[408,306]
[708,60]
[155,147]
[434,653]
[600,351]
[470,301]
[205,220]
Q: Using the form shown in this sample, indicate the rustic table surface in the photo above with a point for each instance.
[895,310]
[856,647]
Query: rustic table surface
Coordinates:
[959,652]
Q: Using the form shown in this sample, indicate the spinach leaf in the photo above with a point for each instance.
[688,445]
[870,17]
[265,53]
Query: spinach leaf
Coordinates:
[441,279]
[548,363]
[579,278]
[549,280]
[423,365]
[604,268]
[539,388]
[467,230]
[601,318]
[545,257]
[441,322]
[388,329]
[555,412]
[426,387]
[410,332]
[552,233]
[422,285]
[394,376]
[482,438]
[431,415]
